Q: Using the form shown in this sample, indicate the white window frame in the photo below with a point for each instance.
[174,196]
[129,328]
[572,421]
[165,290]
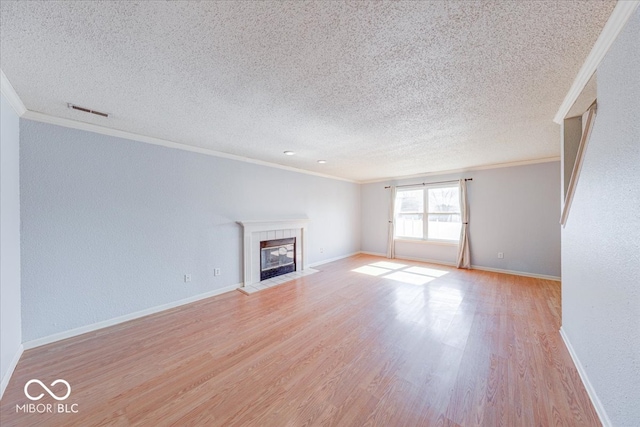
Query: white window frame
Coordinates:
[425,216]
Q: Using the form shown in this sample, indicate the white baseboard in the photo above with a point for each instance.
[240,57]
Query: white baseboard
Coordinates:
[408,258]
[325,261]
[12,367]
[116,320]
[516,273]
[597,404]
[373,253]
[429,261]
[474,267]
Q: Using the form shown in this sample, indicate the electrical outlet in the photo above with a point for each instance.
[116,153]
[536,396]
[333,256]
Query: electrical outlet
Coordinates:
[321,250]
[500,255]
[216,271]
[187,278]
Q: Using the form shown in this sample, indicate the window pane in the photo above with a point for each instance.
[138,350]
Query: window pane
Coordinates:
[444,200]
[444,226]
[409,225]
[411,201]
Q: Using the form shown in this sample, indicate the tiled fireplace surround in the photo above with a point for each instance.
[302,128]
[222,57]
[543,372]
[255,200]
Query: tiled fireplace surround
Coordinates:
[256,231]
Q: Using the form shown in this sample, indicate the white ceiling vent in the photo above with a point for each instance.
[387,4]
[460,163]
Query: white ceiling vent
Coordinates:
[87,110]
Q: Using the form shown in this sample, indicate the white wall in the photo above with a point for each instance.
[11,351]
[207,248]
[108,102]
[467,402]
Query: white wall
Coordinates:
[513,210]
[10,320]
[110,226]
[601,241]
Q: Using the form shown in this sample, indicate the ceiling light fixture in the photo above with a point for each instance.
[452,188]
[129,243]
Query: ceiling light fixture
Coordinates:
[289,153]
[322,162]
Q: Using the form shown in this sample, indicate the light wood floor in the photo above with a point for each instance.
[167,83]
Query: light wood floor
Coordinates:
[339,347]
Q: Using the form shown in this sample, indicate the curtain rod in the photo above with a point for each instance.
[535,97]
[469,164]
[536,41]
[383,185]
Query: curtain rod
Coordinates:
[429,183]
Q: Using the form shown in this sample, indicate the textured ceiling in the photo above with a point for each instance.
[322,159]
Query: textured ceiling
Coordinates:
[378,89]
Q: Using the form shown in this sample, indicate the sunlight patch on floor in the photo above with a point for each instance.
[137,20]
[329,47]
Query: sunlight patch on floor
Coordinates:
[410,278]
[388,265]
[401,272]
[427,271]
[371,271]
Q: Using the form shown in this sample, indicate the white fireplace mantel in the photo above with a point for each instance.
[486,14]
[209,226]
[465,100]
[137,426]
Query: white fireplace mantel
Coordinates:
[255,231]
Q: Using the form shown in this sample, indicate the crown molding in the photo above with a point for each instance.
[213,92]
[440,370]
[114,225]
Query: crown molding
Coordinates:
[21,110]
[90,127]
[10,94]
[16,103]
[469,169]
[616,22]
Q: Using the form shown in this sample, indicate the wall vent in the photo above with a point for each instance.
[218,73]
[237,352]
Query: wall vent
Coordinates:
[87,110]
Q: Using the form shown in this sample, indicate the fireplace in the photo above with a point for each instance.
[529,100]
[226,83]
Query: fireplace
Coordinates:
[277,257]
[256,231]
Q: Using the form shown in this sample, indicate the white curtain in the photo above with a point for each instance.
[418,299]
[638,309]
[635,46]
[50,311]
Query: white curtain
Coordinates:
[391,246]
[464,257]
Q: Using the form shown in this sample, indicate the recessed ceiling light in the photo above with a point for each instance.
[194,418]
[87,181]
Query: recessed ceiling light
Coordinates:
[322,162]
[289,153]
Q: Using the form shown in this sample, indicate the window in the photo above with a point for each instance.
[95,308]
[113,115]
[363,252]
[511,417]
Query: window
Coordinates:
[440,206]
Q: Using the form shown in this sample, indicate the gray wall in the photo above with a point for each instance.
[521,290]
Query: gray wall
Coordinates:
[10,320]
[513,210]
[601,240]
[110,226]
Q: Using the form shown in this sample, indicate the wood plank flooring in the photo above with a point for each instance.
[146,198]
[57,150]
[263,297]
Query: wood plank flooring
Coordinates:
[400,344]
